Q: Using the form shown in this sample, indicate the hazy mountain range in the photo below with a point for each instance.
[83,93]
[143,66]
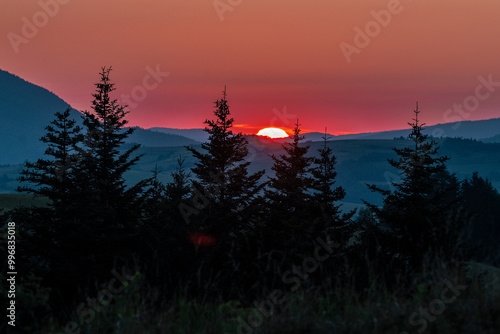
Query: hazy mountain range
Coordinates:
[26,109]
[484,130]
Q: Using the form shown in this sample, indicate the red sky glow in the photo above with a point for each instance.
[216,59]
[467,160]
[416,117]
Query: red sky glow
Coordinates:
[280,60]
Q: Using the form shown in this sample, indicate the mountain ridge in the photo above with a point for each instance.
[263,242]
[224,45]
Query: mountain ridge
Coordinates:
[26,109]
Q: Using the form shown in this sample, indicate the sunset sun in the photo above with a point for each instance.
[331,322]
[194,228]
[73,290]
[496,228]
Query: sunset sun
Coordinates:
[272,133]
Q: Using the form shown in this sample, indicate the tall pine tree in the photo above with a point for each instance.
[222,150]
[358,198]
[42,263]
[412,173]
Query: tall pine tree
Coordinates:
[45,229]
[326,197]
[53,178]
[104,160]
[109,213]
[291,211]
[417,211]
[223,180]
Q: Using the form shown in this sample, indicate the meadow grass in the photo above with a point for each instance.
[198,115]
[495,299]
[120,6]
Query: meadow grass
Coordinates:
[334,308]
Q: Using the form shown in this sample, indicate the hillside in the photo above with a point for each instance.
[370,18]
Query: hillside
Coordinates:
[25,110]
[479,130]
[358,162]
[362,158]
[484,130]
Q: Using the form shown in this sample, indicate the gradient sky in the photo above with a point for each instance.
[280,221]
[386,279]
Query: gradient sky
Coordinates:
[277,58]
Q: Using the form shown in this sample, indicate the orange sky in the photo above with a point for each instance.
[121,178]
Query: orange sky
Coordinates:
[277,58]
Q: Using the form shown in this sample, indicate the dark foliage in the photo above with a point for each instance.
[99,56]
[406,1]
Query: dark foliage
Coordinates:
[92,221]
[482,202]
[417,217]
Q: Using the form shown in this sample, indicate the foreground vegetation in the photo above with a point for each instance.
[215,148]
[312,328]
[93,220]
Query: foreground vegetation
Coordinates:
[329,309]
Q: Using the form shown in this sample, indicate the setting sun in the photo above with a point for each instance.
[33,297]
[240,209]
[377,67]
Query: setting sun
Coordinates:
[272,133]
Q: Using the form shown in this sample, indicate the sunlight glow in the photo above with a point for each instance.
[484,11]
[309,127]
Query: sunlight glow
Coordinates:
[272,133]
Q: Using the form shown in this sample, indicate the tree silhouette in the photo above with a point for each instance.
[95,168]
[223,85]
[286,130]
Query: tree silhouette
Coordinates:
[222,174]
[482,202]
[107,213]
[53,178]
[325,195]
[289,188]
[45,229]
[291,212]
[417,211]
[106,197]
[178,190]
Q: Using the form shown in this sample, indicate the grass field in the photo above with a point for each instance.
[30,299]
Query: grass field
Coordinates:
[450,300]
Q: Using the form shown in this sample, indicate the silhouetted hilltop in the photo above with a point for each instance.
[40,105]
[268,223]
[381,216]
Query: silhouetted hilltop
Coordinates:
[494,139]
[26,109]
[195,134]
[480,130]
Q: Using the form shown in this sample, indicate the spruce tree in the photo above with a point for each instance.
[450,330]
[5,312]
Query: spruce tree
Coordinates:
[164,233]
[417,211]
[178,190]
[222,177]
[109,214]
[103,164]
[289,189]
[53,178]
[292,216]
[44,229]
[326,195]
[481,201]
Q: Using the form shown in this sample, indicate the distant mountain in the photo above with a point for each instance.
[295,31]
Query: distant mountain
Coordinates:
[479,130]
[195,134]
[484,130]
[359,162]
[157,139]
[318,136]
[494,139]
[25,111]
[201,136]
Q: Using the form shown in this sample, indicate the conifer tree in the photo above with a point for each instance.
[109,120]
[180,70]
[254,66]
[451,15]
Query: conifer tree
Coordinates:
[102,164]
[481,201]
[164,233]
[163,201]
[178,190]
[417,210]
[292,216]
[53,178]
[109,214]
[222,173]
[289,189]
[45,228]
[326,196]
